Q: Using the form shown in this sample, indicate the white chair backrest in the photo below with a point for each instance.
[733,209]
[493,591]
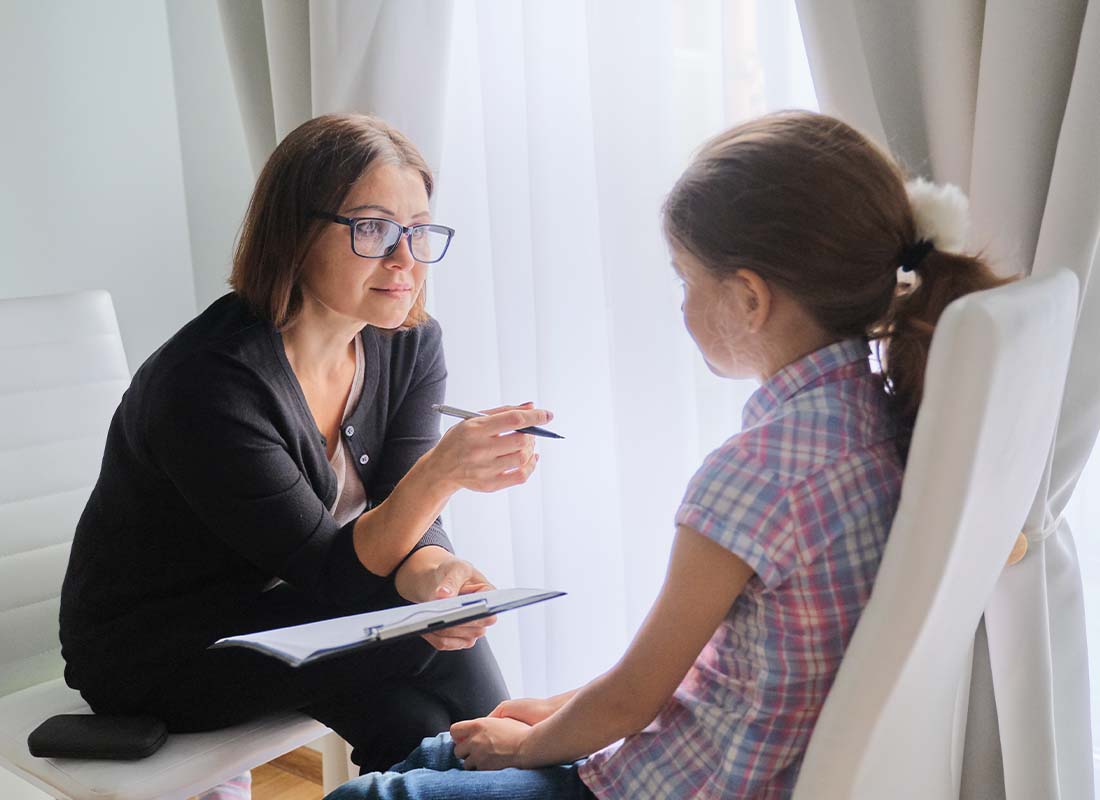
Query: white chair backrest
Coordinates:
[892,722]
[62,372]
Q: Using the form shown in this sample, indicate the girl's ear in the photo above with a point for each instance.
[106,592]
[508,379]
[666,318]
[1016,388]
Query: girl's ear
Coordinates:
[755,299]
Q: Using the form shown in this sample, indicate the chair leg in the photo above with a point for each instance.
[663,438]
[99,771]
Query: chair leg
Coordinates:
[334,761]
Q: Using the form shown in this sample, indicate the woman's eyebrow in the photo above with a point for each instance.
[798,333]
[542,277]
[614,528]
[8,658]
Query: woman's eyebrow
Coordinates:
[386,211]
[372,207]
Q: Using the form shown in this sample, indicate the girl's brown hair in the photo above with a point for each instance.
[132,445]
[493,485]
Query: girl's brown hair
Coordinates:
[312,169]
[821,213]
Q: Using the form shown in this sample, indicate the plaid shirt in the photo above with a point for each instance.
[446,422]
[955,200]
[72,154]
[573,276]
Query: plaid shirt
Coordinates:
[805,495]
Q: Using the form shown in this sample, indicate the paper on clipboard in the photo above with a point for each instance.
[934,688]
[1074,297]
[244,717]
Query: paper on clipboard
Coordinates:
[303,644]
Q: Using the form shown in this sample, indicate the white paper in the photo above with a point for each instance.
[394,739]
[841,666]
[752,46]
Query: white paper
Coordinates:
[301,644]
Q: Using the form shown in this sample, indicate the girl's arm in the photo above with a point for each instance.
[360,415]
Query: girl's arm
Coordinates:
[702,582]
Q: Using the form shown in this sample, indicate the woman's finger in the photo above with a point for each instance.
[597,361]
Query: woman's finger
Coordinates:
[511,461]
[498,409]
[475,629]
[515,419]
[477,583]
[515,444]
[441,642]
[520,474]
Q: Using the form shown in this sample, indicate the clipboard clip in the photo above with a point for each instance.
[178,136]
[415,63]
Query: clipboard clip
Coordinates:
[410,623]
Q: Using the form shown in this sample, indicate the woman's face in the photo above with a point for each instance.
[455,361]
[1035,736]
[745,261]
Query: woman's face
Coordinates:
[714,316]
[376,291]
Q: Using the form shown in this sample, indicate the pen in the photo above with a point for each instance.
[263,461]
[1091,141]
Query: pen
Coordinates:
[451,411]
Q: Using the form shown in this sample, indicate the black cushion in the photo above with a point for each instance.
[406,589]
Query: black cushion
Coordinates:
[97,736]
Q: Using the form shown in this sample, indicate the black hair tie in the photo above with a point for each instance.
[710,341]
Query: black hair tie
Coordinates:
[912,256]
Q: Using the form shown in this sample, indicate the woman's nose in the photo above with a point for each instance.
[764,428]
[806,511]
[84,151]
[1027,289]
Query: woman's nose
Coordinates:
[401,257]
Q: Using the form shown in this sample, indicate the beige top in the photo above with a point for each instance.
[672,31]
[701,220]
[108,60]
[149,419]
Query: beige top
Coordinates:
[351,498]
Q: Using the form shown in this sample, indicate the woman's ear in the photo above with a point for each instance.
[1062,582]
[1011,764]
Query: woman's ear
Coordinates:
[755,298]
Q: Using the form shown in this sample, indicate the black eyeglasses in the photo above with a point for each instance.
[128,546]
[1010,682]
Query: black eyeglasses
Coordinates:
[377,237]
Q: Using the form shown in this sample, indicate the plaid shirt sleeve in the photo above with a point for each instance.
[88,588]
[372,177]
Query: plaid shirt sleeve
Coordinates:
[739,503]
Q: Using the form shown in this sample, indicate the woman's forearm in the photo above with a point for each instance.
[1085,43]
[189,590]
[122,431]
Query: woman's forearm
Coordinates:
[385,534]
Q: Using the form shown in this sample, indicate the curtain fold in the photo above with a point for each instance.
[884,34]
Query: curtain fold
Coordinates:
[1007,98]
[245,43]
[292,60]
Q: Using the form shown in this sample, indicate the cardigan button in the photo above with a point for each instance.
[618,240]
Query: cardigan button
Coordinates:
[349,430]
[363,459]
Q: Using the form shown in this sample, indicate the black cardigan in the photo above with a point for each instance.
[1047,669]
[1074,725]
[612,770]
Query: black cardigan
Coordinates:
[215,481]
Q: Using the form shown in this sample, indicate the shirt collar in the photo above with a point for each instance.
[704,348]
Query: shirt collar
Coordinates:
[800,374]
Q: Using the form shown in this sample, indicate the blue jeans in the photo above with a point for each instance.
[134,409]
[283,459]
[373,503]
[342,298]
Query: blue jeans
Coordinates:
[433,772]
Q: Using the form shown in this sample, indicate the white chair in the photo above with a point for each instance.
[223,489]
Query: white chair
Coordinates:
[894,721]
[62,372]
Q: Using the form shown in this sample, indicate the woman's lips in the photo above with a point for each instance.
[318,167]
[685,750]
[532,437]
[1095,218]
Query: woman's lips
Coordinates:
[393,291]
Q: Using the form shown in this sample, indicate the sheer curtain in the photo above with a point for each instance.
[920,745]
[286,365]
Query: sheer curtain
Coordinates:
[556,129]
[565,125]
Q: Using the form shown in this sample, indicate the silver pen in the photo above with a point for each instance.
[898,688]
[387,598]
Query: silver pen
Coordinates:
[461,413]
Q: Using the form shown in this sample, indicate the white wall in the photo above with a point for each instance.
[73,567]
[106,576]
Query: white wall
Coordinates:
[91,182]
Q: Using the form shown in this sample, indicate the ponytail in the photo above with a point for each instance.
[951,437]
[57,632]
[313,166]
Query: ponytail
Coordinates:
[905,333]
[942,274]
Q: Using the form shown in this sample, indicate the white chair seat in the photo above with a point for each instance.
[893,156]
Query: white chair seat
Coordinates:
[187,764]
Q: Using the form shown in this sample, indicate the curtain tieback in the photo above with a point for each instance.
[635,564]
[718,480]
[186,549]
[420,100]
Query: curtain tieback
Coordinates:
[1031,534]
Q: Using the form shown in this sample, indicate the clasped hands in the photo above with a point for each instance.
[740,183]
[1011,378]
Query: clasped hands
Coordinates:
[498,740]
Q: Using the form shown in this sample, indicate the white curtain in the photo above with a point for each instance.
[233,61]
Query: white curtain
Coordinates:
[566,124]
[1003,99]
[556,128]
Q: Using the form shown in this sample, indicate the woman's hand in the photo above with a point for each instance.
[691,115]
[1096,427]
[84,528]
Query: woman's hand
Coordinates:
[484,453]
[489,743]
[529,710]
[431,573]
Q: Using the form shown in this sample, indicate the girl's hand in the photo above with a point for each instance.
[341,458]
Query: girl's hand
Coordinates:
[529,710]
[489,743]
[484,454]
[432,573]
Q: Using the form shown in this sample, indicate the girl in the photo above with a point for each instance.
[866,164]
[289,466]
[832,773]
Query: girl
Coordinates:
[788,233]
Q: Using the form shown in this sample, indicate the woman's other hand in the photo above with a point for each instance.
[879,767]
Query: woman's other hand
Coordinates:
[485,454]
[432,573]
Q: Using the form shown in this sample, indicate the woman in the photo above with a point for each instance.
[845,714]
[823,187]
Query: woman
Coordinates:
[278,461]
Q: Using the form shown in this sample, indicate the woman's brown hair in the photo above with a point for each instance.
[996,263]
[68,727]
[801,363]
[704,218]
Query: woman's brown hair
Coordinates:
[312,169]
[821,213]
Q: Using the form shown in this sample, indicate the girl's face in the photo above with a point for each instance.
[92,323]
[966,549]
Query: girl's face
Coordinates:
[376,291]
[718,315]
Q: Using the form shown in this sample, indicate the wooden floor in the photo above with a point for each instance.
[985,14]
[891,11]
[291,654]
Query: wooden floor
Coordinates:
[295,776]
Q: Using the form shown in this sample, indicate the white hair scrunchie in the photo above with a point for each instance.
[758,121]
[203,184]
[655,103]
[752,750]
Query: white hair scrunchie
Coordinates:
[941,212]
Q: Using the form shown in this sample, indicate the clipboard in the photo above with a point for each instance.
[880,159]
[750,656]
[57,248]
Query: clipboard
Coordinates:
[300,645]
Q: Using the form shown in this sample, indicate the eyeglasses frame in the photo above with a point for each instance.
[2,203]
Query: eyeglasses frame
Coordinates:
[406,233]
